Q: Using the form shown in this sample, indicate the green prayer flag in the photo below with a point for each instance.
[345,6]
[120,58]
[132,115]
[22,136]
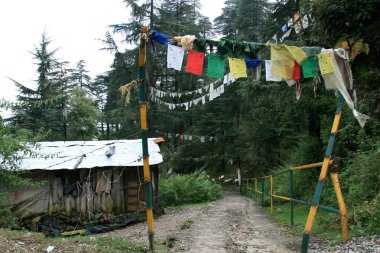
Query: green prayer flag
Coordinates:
[310,67]
[215,66]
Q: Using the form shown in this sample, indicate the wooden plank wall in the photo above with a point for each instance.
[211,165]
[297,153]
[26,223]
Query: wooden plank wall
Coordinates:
[86,192]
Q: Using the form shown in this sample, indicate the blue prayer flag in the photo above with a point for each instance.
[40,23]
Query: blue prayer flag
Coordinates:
[252,63]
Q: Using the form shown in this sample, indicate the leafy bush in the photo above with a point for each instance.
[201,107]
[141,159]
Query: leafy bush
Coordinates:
[363,198]
[188,189]
[7,220]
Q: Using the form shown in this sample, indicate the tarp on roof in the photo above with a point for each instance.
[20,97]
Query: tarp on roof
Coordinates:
[90,154]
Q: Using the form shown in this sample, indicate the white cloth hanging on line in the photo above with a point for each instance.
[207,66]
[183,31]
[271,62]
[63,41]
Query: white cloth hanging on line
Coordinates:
[175,57]
[340,80]
[268,73]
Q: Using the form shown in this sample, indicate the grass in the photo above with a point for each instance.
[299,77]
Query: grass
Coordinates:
[326,225]
[187,224]
[107,243]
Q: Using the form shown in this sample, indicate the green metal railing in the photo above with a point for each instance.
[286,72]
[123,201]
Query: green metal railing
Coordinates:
[314,205]
[250,187]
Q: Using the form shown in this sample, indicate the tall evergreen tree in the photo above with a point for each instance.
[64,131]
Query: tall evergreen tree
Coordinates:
[252,19]
[79,76]
[226,23]
[41,108]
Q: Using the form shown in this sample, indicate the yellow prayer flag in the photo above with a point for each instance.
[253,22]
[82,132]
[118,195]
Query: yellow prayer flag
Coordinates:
[297,53]
[282,62]
[326,64]
[237,68]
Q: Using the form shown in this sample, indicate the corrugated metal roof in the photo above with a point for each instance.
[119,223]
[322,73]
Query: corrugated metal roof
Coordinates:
[90,154]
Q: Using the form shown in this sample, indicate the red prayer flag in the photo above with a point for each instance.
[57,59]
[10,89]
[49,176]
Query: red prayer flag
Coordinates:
[296,72]
[195,62]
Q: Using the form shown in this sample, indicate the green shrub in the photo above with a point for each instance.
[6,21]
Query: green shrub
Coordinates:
[188,189]
[7,220]
[362,195]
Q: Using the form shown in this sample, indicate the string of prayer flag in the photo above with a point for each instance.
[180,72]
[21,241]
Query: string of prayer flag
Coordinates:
[286,64]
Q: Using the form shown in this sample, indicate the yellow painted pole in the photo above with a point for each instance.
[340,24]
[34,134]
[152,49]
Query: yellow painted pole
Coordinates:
[342,205]
[281,197]
[256,190]
[253,187]
[144,137]
[322,176]
[309,166]
[271,193]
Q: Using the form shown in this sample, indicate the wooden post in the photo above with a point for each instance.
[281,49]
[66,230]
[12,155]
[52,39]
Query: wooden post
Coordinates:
[144,137]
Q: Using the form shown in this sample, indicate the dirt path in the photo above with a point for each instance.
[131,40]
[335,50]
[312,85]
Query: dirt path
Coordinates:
[231,224]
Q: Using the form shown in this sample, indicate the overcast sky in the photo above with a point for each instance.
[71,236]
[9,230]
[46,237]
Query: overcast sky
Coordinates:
[73,25]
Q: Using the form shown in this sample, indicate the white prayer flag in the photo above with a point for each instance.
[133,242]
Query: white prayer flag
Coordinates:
[268,73]
[211,96]
[228,79]
[305,22]
[175,57]
[285,35]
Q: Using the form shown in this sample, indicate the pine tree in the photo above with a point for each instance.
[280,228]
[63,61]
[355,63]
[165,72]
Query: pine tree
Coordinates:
[226,23]
[79,76]
[41,108]
[252,19]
